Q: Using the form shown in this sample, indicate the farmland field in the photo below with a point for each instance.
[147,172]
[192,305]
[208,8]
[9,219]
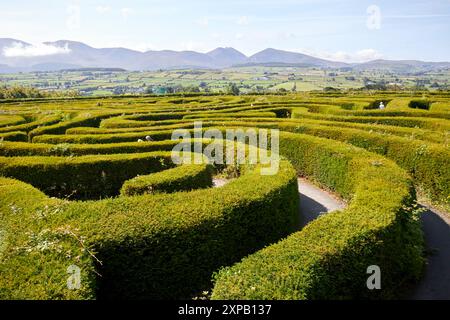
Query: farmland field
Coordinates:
[89,186]
[249,79]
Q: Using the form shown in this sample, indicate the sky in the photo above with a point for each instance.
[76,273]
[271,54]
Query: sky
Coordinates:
[349,31]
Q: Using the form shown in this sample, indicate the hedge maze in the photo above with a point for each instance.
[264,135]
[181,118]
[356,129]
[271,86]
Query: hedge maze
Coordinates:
[90,184]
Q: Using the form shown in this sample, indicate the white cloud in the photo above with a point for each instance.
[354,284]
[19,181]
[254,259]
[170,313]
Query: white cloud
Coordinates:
[239,36]
[368,54]
[363,55]
[103,9]
[20,50]
[243,21]
[126,12]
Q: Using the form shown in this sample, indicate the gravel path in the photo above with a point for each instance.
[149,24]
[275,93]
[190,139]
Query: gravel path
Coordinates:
[435,284]
[315,201]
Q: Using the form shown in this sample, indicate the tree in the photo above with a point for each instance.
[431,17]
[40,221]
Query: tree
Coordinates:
[21,92]
[233,89]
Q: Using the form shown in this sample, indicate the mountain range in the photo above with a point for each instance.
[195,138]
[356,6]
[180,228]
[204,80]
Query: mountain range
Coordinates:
[19,56]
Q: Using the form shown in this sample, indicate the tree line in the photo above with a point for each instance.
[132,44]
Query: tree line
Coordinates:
[23,92]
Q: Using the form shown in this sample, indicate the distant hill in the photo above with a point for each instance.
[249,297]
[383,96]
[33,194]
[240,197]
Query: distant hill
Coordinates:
[402,66]
[7,69]
[66,54]
[7,42]
[225,57]
[53,66]
[94,70]
[272,55]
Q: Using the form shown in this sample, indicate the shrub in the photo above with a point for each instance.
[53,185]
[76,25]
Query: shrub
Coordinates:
[167,248]
[232,115]
[10,120]
[14,136]
[13,149]
[328,259]
[102,138]
[182,178]
[426,162]
[425,123]
[167,242]
[26,127]
[158,135]
[420,104]
[87,119]
[86,177]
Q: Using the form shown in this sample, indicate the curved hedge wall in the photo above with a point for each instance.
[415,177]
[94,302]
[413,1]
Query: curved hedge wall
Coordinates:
[328,259]
[84,177]
[146,254]
[78,189]
[14,136]
[425,123]
[182,178]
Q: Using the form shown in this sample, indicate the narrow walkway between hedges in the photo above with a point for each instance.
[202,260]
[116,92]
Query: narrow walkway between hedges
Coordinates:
[315,201]
[435,284]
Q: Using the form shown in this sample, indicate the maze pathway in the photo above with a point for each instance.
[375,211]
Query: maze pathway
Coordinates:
[435,285]
[315,201]
[101,171]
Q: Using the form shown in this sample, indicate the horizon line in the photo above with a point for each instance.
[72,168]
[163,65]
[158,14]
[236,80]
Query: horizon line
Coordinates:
[224,47]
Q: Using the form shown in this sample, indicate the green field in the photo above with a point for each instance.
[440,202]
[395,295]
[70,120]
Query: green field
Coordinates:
[248,79]
[89,185]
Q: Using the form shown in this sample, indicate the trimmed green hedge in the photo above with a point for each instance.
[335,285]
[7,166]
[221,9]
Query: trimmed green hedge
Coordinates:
[441,137]
[14,149]
[400,113]
[87,130]
[103,138]
[35,251]
[150,247]
[14,136]
[181,178]
[111,138]
[420,104]
[412,133]
[236,115]
[120,122]
[426,162]
[426,123]
[26,127]
[85,119]
[85,177]
[440,106]
[168,244]
[11,120]
[328,259]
